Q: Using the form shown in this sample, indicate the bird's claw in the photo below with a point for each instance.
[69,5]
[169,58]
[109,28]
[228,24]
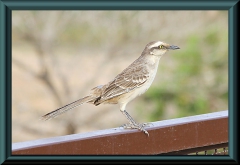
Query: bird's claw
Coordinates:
[137,126]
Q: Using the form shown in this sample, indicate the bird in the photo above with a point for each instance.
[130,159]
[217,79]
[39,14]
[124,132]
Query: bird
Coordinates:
[130,83]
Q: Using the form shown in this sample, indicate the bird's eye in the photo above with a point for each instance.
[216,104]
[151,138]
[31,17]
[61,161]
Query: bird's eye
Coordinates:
[161,47]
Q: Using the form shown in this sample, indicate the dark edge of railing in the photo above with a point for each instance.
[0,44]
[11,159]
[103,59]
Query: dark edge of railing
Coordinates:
[168,136]
[198,149]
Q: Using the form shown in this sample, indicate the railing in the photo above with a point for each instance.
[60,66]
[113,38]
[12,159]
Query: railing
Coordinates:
[175,137]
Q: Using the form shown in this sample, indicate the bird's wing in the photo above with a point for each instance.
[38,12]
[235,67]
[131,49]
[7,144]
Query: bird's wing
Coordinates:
[131,78]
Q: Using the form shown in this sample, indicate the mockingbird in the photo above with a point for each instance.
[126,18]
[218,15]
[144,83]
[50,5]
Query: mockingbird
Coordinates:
[130,83]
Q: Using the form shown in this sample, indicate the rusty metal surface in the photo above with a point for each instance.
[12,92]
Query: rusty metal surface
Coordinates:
[165,136]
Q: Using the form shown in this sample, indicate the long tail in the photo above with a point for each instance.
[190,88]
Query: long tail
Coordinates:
[66,108]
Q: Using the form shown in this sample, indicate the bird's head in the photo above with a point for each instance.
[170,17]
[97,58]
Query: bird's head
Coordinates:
[158,48]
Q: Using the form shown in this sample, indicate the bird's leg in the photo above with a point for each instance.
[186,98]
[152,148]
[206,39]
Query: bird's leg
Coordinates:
[132,124]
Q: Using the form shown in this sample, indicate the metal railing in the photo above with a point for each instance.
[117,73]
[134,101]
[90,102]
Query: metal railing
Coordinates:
[182,136]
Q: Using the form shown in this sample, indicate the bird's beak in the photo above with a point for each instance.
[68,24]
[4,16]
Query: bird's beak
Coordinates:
[173,47]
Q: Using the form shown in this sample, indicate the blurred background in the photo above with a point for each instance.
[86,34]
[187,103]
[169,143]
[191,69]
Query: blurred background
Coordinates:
[58,56]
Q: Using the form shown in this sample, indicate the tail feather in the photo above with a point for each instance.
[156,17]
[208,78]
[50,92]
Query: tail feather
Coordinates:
[66,108]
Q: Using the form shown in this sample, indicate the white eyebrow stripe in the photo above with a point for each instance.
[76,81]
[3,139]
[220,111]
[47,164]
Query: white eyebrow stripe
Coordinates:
[156,44]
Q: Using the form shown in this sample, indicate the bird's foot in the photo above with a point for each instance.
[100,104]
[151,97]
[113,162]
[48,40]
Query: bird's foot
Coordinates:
[137,126]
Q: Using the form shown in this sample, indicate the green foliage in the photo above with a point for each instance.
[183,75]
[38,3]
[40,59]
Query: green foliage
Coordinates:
[190,58]
[212,37]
